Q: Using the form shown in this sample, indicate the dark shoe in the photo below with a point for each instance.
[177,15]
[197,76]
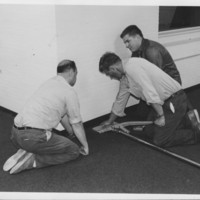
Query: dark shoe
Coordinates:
[24,164]
[12,161]
[195,123]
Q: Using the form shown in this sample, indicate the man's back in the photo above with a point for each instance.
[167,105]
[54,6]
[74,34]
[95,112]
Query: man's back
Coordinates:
[158,55]
[147,80]
[48,104]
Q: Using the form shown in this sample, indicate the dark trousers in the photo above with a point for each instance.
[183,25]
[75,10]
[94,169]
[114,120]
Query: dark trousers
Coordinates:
[176,131]
[142,110]
[48,151]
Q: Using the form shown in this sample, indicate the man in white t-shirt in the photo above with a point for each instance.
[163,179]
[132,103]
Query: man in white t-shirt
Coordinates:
[54,102]
[144,80]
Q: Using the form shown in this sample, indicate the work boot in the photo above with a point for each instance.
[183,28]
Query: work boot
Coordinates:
[12,161]
[193,117]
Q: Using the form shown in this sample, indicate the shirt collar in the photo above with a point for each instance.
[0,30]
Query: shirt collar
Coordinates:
[61,79]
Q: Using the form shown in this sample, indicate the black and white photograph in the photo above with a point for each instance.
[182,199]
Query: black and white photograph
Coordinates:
[99,99]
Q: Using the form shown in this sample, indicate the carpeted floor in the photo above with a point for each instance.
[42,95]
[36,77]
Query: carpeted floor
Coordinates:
[116,164]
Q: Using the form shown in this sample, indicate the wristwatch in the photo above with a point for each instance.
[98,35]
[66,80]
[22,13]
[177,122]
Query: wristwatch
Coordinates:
[158,116]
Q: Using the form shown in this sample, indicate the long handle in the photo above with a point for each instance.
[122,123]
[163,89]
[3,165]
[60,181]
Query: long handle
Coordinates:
[160,149]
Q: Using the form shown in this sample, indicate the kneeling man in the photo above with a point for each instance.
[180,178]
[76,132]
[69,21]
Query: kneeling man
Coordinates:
[173,125]
[53,103]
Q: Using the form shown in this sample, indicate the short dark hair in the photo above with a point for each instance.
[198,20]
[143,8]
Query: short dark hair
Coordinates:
[107,60]
[65,65]
[131,30]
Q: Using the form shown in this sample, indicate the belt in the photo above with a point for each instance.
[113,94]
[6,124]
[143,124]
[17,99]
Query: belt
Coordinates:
[175,94]
[28,127]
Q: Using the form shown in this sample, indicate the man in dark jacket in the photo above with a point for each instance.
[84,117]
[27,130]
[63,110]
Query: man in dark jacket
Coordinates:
[152,51]
[149,50]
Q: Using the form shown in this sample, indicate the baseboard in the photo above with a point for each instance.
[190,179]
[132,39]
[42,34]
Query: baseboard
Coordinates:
[2,109]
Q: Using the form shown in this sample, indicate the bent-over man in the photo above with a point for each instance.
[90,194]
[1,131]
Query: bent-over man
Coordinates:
[54,102]
[168,102]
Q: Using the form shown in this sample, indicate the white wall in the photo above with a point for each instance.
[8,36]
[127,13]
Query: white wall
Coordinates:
[85,33]
[184,46]
[34,38]
[28,51]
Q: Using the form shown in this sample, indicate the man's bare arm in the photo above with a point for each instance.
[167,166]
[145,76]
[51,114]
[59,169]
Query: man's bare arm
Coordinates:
[80,134]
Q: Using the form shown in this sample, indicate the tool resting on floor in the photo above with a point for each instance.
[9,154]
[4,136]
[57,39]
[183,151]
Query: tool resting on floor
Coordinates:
[105,128]
[120,128]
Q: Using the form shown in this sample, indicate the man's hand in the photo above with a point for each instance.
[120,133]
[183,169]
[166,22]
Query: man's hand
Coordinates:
[160,121]
[110,121]
[105,123]
[84,151]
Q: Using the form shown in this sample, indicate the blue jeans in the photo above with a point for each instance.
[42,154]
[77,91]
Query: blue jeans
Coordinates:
[48,151]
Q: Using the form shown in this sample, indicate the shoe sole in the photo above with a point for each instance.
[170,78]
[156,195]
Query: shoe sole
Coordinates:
[16,168]
[12,161]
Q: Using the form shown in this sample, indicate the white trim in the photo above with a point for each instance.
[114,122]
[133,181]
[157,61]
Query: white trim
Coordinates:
[179,36]
[179,31]
[184,46]
[107,2]
[187,57]
[94,196]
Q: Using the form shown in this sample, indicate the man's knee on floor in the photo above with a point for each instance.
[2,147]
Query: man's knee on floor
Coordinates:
[73,150]
[158,142]
[161,138]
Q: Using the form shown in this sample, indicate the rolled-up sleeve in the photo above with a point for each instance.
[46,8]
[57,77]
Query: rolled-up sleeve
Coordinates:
[122,98]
